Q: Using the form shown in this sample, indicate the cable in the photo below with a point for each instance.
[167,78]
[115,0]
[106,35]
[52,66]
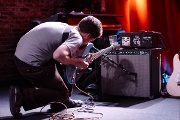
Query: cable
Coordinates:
[92,98]
[88,108]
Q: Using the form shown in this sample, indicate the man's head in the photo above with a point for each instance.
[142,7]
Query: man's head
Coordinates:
[90,28]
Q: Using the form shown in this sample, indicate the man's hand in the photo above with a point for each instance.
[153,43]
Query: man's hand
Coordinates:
[81,64]
[90,58]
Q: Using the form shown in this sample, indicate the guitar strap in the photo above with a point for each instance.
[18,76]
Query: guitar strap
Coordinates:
[63,72]
[66,33]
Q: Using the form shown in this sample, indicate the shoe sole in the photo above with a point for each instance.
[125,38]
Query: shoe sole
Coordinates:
[13,100]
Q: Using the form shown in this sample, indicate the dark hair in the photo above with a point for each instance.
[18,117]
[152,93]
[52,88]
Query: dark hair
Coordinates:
[92,25]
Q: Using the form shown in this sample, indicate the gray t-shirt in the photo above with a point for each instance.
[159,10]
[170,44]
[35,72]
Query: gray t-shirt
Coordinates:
[36,47]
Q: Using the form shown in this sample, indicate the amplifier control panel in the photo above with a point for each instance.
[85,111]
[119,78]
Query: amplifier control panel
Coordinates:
[131,52]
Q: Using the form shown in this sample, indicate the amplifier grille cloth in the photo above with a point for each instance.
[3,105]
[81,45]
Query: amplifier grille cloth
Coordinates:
[115,82]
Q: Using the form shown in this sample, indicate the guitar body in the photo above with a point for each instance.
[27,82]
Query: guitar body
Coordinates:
[71,74]
[173,84]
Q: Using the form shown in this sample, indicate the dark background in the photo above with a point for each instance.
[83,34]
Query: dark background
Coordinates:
[16,18]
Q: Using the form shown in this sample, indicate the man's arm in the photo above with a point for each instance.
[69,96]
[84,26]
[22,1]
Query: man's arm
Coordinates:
[62,55]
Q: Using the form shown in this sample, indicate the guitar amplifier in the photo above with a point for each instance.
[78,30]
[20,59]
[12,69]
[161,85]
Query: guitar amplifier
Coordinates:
[132,73]
[141,40]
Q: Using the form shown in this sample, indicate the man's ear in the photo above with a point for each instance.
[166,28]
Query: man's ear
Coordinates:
[88,35]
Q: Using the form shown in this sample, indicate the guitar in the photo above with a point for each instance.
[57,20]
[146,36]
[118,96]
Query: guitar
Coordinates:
[72,74]
[173,84]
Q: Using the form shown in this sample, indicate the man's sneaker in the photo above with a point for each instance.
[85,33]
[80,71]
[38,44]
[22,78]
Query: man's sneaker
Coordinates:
[15,100]
[73,103]
[56,107]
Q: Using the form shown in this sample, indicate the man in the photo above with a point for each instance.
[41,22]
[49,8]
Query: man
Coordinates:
[35,57]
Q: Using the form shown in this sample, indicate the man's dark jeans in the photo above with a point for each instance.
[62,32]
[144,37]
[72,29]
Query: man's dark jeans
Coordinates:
[47,85]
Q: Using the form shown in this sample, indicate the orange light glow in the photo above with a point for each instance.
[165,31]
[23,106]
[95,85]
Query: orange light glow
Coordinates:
[141,7]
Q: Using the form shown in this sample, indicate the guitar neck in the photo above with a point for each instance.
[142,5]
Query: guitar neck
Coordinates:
[101,52]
